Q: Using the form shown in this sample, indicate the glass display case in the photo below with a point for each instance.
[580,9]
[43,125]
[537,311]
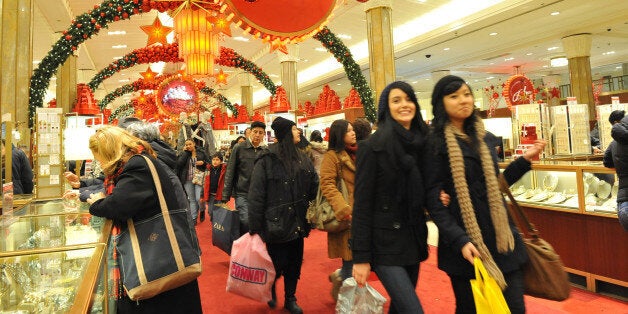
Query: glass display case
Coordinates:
[53,259]
[585,187]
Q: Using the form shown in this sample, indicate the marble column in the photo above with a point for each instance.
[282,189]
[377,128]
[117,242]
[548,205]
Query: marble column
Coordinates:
[578,50]
[289,74]
[16,61]
[380,43]
[246,91]
[66,84]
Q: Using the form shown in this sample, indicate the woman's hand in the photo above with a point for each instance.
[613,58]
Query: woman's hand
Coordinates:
[200,162]
[469,252]
[94,197]
[535,150]
[444,198]
[73,179]
[361,272]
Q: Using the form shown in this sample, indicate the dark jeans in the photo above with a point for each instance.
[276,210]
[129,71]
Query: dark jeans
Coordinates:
[400,283]
[513,293]
[287,258]
[242,206]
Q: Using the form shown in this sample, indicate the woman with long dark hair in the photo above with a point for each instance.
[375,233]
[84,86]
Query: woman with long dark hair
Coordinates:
[475,224]
[339,163]
[389,224]
[282,185]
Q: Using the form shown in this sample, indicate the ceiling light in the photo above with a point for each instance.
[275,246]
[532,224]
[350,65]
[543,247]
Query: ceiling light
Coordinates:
[321,49]
[240,38]
[343,36]
[552,48]
[554,13]
[36,61]
[116,33]
[124,80]
[415,82]
[619,67]
[411,60]
[509,59]
[493,34]
[446,49]
[118,46]
[490,77]
[273,75]
[339,84]
[608,53]
[117,58]
[529,54]
[558,62]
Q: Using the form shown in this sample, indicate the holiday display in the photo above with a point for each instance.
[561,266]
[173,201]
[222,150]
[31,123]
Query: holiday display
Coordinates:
[279,102]
[352,69]
[156,32]
[353,100]
[230,58]
[85,102]
[518,90]
[327,101]
[176,95]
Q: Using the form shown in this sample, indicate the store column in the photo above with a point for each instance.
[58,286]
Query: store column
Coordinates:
[16,61]
[578,50]
[289,73]
[246,91]
[66,84]
[380,41]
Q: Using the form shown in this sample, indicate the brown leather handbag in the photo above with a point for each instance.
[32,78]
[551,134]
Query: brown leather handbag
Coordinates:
[544,275]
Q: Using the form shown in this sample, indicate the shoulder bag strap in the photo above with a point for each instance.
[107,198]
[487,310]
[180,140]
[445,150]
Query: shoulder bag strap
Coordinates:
[515,208]
[167,223]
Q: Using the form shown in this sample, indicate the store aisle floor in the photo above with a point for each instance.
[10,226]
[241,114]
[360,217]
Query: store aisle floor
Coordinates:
[313,291]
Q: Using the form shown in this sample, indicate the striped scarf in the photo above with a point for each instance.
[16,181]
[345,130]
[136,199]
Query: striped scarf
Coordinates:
[504,238]
[117,290]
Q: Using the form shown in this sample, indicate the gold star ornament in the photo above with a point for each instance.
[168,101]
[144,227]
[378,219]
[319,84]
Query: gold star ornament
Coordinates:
[156,32]
[148,75]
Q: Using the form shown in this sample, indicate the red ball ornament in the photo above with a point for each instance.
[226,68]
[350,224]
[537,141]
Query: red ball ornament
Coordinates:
[65,32]
[84,36]
[125,15]
[116,18]
[110,4]
[68,37]
[73,48]
[98,26]
[79,25]
[93,21]
[102,14]
[119,8]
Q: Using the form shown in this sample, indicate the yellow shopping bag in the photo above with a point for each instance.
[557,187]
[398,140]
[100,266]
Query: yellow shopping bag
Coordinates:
[487,295]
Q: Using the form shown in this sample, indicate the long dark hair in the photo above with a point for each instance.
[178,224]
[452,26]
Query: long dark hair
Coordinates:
[383,111]
[316,136]
[337,132]
[445,86]
[289,154]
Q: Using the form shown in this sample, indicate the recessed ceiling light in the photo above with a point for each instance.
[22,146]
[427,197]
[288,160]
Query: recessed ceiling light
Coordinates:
[116,33]
[552,48]
[124,80]
[36,61]
[446,49]
[490,77]
[558,62]
[529,54]
[415,82]
[411,60]
[118,46]
[493,34]
[343,36]
[240,38]
[117,58]
[273,75]
[554,13]
[309,94]
[427,79]
[321,49]
[608,53]
[619,67]
[509,59]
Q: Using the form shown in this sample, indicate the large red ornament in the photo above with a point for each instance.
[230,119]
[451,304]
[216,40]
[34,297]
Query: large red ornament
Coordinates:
[518,90]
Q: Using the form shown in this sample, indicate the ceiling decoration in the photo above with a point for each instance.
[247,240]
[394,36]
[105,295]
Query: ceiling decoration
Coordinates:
[156,32]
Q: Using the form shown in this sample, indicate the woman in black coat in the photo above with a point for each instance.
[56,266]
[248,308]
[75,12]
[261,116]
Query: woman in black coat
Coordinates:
[193,158]
[388,227]
[283,183]
[476,223]
[130,193]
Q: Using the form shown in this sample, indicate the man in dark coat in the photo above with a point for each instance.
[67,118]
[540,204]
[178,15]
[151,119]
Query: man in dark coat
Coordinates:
[617,156]
[22,173]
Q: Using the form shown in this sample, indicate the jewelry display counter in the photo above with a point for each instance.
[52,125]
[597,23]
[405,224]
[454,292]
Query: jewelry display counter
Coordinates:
[53,260]
[573,205]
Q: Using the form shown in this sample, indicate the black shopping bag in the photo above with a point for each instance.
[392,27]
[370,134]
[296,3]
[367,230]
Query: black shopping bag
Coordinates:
[225,227]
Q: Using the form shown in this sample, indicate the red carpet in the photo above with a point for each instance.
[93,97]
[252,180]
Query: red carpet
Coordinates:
[313,290]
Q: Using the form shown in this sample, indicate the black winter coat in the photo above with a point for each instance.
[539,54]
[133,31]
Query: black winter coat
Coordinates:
[382,230]
[183,160]
[165,153]
[240,168]
[619,158]
[135,196]
[451,230]
[278,203]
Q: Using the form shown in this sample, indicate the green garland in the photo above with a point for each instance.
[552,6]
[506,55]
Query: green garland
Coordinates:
[230,58]
[83,27]
[124,89]
[352,69]
[125,110]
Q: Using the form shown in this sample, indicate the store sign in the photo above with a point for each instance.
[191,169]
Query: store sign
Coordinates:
[518,90]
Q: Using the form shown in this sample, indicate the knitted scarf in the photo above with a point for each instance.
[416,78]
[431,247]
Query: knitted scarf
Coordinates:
[504,238]
[117,290]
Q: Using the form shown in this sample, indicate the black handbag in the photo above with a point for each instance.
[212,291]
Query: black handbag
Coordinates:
[159,253]
[225,227]
[544,275]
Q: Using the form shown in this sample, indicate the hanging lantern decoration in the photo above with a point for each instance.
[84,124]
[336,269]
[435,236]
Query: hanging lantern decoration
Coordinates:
[198,43]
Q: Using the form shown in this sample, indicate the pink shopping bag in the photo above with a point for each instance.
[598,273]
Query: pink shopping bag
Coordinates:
[251,271]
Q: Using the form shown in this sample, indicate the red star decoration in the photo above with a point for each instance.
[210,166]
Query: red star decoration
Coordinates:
[220,24]
[148,75]
[221,77]
[156,32]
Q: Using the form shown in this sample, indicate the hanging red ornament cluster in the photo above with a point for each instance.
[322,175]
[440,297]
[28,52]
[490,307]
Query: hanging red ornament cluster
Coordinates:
[279,102]
[353,100]
[327,101]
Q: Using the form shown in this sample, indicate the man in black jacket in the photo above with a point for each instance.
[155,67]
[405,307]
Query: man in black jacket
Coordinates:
[616,156]
[239,170]
[22,173]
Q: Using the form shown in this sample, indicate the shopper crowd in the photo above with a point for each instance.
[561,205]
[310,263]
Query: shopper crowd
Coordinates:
[384,185]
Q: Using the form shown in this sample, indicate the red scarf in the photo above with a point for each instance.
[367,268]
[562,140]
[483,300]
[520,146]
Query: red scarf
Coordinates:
[117,290]
[351,150]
